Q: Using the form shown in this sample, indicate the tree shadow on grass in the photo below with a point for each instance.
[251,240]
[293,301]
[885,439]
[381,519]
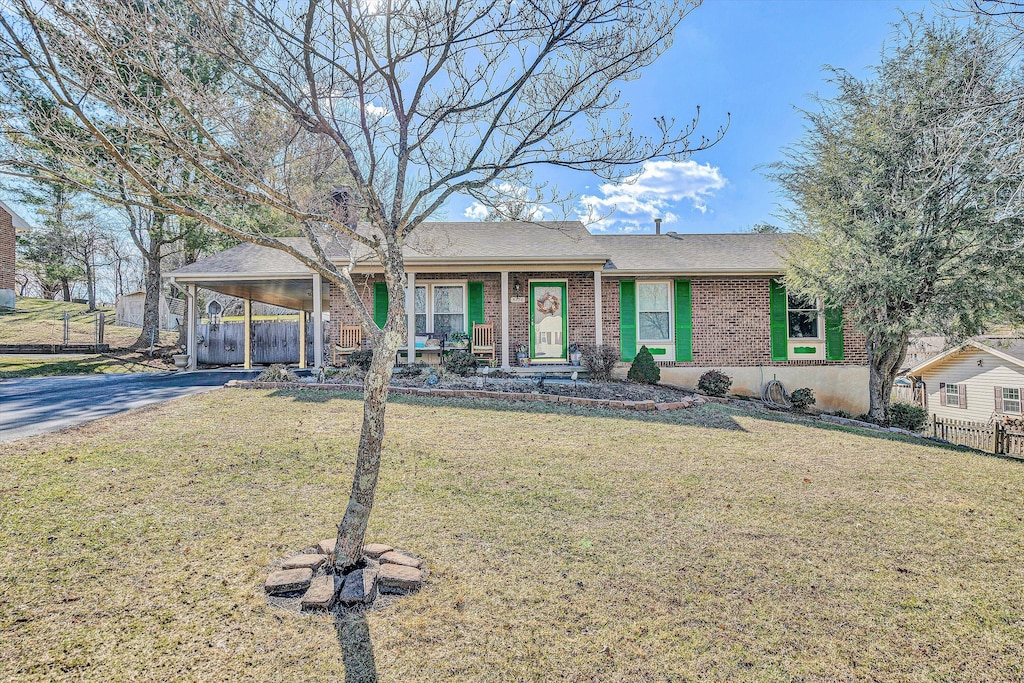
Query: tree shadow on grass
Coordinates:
[356,648]
[707,416]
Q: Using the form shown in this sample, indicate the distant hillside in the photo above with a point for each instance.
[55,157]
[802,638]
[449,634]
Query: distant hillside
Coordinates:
[41,321]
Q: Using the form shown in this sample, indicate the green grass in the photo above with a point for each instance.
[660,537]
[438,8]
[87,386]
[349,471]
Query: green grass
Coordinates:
[41,321]
[48,366]
[563,544]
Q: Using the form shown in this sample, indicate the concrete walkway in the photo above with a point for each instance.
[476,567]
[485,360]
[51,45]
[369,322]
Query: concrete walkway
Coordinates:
[34,406]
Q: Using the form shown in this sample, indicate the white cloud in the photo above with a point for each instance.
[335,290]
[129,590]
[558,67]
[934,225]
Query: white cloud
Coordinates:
[633,204]
[475,212]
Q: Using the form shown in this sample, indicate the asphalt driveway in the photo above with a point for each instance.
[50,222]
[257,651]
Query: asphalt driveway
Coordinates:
[37,405]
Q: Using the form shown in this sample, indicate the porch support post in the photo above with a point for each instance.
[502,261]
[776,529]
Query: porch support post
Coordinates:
[598,329]
[248,334]
[190,327]
[504,320]
[410,319]
[302,338]
[318,325]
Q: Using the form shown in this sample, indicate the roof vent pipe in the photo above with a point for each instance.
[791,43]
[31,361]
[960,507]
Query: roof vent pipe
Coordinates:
[657,226]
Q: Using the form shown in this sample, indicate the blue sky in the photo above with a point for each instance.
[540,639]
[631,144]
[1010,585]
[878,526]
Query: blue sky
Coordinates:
[758,59]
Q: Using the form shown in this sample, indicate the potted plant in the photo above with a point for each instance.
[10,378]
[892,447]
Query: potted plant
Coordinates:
[459,340]
[575,355]
[522,355]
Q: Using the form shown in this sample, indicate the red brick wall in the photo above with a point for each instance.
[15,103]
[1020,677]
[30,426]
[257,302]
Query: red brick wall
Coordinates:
[6,251]
[731,323]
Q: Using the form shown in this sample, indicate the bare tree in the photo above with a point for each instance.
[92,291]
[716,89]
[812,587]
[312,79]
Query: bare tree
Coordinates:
[405,102]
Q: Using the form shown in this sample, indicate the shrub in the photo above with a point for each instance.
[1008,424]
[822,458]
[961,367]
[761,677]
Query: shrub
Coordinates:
[714,383]
[410,370]
[361,359]
[277,373]
[461,363]
[907,416]
[600,360]
[644,370]
[843,413]
[802,399]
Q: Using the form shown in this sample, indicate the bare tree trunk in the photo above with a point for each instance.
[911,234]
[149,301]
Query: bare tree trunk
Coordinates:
[885,358]
[348,549]
[151,308]
[65,288]
[90,283]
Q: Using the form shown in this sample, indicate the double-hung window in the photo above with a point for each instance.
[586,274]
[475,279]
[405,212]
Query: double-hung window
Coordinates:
[804,317]
[654,312]
[440,308]
[953,395]
[1011,400]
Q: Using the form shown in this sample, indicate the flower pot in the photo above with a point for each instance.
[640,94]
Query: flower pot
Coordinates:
[575,358]
[180,360]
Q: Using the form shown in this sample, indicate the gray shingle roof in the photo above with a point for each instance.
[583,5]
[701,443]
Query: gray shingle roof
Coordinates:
[1011,346]
[680,253]
[521,243]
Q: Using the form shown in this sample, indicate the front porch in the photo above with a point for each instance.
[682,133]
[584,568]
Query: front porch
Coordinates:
[537,316]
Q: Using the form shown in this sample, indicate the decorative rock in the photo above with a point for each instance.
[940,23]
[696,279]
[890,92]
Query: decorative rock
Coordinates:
[400,558]
[288,580]
[375,550]
[320,594]
[397,578]
[326,546]
[360,586]
[307,561]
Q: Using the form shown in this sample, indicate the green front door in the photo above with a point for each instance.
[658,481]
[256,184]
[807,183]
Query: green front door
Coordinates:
[548,322]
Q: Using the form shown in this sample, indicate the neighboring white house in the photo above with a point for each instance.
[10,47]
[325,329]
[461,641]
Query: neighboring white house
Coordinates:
[981,380]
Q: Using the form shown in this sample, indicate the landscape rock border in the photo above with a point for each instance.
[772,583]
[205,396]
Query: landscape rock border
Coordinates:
[688,402]
[306,580]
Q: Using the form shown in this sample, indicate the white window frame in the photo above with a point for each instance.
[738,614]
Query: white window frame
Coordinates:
[429,285]
[1012,400]
[955,394]
[821,322]
[671,313]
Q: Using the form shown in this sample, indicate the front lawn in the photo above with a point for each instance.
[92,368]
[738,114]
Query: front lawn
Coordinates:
[562,544]
[42,365]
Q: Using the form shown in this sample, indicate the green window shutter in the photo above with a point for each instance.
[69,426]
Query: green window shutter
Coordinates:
[834,333]
[380,304]
[684,321]
[779,327]
[476,304]
[627,320]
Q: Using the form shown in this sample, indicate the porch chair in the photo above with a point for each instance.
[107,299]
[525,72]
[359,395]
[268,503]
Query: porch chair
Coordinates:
[350,340]
[482,343]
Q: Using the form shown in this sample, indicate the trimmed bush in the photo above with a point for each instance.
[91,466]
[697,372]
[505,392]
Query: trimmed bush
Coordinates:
[802,399]
[714,383]
[361,359]
[600,360]
[461,363]
[644,370]
[907,416]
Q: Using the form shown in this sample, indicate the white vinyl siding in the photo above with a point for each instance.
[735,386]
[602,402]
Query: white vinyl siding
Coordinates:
[979,382]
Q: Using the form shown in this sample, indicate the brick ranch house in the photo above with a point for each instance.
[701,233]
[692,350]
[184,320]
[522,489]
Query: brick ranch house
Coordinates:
[10,224]
[696,301]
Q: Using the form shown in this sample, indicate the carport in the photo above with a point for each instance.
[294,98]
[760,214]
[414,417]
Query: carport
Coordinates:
[255,273]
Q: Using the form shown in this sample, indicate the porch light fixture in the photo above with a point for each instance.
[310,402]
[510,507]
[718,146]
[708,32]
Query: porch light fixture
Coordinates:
[517,289]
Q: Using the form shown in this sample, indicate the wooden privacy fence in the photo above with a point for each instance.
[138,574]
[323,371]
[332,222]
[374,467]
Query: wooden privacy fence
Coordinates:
[992,438]
[273,341]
